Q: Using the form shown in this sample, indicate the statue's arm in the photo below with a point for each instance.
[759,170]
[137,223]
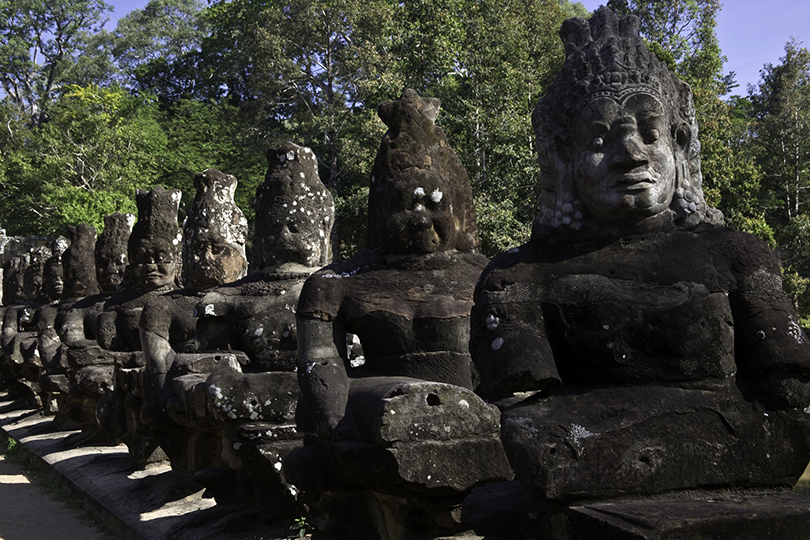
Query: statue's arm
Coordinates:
[508,344]
[158,355]
[10,325]
[73,332]
[772,350]
[321,371]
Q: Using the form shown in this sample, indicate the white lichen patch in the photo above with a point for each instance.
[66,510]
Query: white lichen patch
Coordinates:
[291,155]
[491,321]
[436,195]
[209,310]
[419,192]
[576,433]
[795,331]
[464,403]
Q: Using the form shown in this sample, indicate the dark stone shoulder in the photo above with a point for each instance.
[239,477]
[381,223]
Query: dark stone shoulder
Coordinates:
[719,257]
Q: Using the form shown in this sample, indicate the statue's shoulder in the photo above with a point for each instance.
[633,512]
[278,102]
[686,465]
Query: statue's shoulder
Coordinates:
[518,264]
[743,252]
[324,291]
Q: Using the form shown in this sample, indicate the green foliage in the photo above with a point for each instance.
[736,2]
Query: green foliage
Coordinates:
[301,527]
[41,43]
[204,134]
[778,110]
[98,147]
[781,107]
[156,47]
[318,65]
[574,9]
[511,52]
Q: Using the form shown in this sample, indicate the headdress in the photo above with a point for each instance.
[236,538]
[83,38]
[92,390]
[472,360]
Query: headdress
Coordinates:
[605,57]
[294,211]
[415,151]
[157,219]
[79,266]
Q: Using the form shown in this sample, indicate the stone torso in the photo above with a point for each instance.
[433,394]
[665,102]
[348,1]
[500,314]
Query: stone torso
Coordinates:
[410,313]
[654,307]
[255,315]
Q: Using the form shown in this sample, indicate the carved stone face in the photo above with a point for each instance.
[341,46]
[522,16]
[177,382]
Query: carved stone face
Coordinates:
[153,264]
[53,282]
[111,262]
[624,163]
[420,215]
[214,263]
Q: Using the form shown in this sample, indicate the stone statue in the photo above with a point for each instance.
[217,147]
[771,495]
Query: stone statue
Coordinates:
[649,348]
[406,422]
[250,326]
[155,264]
[71,274]
[82,370]
[215,231]
[214,253]
[41,277]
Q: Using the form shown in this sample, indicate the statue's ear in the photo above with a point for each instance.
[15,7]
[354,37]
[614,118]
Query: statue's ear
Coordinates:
[683,137]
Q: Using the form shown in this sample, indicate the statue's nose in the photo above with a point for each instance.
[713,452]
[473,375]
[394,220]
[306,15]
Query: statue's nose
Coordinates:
[629,151]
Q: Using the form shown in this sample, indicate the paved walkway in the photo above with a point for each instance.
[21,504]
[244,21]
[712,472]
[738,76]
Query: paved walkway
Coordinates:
[151,504]
[29,512]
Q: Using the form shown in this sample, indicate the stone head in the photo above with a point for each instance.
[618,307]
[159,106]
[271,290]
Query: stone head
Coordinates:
[154,247]
[214,233]
[14,278]
[420,199]
[53,275]
[34,279]
[111,251]
[78,262]
[294,211]
[616,132]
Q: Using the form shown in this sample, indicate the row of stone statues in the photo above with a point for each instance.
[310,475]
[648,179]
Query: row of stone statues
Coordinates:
[633,347]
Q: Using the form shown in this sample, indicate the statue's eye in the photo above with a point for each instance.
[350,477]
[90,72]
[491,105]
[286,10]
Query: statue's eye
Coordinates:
[597,143]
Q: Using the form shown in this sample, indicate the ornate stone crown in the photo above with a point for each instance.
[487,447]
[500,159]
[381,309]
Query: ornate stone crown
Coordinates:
[606,57]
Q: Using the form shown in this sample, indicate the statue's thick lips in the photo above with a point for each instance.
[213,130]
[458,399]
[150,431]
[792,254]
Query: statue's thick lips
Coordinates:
[634,181]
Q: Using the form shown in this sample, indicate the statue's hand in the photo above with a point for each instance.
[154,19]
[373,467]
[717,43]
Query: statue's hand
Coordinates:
[783,390]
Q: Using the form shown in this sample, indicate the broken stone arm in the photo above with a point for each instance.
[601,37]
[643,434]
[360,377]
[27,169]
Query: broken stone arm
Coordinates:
[11,326]
[159,356]
[508,345]
[73,331]
[322,372]
[772,350]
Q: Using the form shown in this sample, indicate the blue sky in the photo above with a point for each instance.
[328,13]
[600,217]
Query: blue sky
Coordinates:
[751,32]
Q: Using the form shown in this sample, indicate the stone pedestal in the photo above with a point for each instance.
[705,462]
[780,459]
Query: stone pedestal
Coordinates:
[505,511]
